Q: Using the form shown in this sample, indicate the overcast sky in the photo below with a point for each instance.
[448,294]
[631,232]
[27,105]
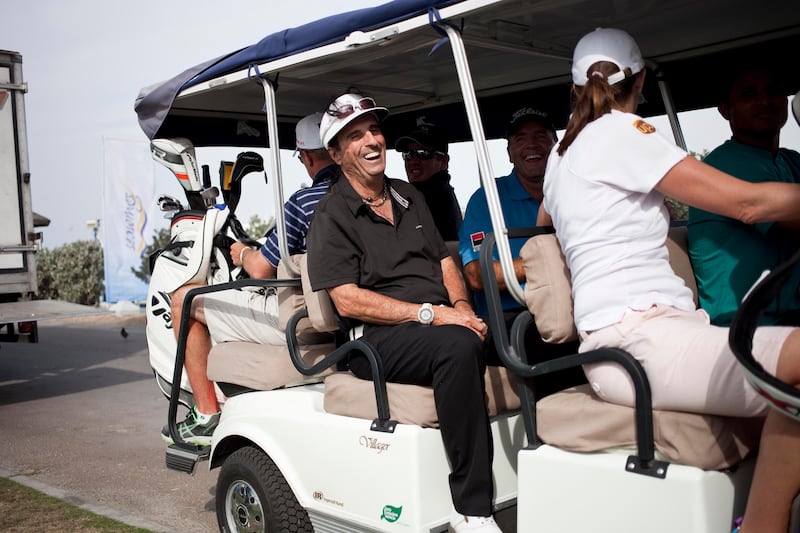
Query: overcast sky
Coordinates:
[85,61]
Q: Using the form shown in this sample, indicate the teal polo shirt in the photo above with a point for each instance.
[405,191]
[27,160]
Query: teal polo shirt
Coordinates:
[728,256]
[519,210]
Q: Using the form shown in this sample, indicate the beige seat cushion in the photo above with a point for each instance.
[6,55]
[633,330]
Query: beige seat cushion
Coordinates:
[348,395]
[548,289]
[579,421]
[290,299]
[293,299]
[262,366]
[320,307]
[678,248]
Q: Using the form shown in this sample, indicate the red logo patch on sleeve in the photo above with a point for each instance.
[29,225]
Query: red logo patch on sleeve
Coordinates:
[476,239]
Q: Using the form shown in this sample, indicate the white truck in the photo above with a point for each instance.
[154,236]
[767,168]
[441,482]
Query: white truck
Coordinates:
[18,238]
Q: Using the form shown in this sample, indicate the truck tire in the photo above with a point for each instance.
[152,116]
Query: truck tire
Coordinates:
[253,496]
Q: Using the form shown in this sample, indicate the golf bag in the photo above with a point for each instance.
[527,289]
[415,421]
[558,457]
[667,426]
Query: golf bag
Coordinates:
[198,251]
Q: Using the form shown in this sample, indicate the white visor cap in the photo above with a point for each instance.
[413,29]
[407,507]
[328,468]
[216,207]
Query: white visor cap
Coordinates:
[344,110]
[606,44]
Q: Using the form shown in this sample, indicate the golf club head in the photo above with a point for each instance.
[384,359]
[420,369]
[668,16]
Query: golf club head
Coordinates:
[210,196]
[169,203]
[178,155]
[246,162]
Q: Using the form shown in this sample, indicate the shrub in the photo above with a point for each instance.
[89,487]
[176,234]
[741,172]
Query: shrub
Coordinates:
[72,272]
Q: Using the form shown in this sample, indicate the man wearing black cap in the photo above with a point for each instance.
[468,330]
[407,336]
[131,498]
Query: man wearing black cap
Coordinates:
[530,136]
[424,151]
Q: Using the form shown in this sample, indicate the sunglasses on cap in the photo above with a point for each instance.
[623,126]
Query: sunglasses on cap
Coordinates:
[422,154]
[345,110]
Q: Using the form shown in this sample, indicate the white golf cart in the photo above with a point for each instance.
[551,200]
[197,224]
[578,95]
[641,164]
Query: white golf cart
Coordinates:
[296,446]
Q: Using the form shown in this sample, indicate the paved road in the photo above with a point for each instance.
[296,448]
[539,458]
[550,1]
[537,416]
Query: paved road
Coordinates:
[80,416]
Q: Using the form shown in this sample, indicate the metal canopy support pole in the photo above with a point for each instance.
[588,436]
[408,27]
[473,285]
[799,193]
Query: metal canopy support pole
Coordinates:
[277,175]
[484,166]
[669,108]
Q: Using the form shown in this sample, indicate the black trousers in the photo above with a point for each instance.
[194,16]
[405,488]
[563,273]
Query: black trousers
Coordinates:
[449,358]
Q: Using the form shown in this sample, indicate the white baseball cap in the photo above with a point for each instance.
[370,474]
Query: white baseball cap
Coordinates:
[606,44]
[344,110]
[306,132]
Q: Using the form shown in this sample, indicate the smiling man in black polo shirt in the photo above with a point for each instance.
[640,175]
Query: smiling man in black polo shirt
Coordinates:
[374,247]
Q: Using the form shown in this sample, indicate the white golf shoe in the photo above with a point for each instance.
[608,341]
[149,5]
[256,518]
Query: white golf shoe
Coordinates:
[473,524]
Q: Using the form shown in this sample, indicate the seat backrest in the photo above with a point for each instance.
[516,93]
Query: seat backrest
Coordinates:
[678,247]
[290,299]
[320,307]
[548,289]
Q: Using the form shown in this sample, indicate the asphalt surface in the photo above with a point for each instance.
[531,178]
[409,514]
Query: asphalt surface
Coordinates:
[80,417]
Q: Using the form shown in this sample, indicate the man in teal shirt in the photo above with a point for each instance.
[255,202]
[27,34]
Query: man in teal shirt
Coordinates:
[728,256]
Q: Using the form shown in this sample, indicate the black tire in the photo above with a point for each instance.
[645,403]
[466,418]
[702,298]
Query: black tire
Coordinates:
[253,496]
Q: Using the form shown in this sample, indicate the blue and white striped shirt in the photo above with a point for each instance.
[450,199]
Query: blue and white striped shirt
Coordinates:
[298,210]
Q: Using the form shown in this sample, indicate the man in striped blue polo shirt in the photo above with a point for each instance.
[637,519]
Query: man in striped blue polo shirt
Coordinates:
[219,317]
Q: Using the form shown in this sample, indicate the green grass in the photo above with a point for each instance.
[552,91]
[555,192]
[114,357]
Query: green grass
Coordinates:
[23,510]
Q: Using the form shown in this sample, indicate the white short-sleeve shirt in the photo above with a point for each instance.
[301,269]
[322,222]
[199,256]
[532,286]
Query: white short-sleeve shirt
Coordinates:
[610,220]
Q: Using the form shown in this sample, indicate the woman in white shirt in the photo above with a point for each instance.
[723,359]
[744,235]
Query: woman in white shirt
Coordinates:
[604,194]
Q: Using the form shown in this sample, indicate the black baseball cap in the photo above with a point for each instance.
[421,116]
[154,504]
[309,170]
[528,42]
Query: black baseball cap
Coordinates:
[527,114]
[426,135]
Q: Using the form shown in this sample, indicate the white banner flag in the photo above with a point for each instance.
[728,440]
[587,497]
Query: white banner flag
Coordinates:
[129,210]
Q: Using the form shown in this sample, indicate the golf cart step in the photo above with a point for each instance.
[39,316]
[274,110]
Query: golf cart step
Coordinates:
[184,457]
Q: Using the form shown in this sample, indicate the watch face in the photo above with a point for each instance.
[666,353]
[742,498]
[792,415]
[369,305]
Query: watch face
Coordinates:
[425,315]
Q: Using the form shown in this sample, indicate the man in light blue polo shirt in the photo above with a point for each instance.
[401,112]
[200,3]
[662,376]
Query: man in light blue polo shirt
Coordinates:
[530,136]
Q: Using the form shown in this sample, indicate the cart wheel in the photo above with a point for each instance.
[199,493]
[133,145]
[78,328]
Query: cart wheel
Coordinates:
[253,496]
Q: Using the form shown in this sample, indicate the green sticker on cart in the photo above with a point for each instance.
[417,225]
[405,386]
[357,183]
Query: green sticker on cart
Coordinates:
[391,514]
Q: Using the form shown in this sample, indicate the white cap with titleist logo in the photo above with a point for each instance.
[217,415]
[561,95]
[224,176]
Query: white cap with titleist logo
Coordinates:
[306,132]
[606,44]
[344,110]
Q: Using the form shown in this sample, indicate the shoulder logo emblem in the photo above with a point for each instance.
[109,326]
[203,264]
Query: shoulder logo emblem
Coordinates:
[644,127]
[476,239]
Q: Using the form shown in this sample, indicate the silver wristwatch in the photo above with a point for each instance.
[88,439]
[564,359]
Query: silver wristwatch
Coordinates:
[425,314]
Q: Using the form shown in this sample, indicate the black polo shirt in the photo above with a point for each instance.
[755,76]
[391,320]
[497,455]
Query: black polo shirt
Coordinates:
[348,243]
[443,204]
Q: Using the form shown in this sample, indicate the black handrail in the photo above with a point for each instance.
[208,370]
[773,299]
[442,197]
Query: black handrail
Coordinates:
[382,423]
[511,350]
[180,354]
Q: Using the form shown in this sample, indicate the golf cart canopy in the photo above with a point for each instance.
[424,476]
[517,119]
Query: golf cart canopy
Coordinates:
[519,53]
[465,65]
